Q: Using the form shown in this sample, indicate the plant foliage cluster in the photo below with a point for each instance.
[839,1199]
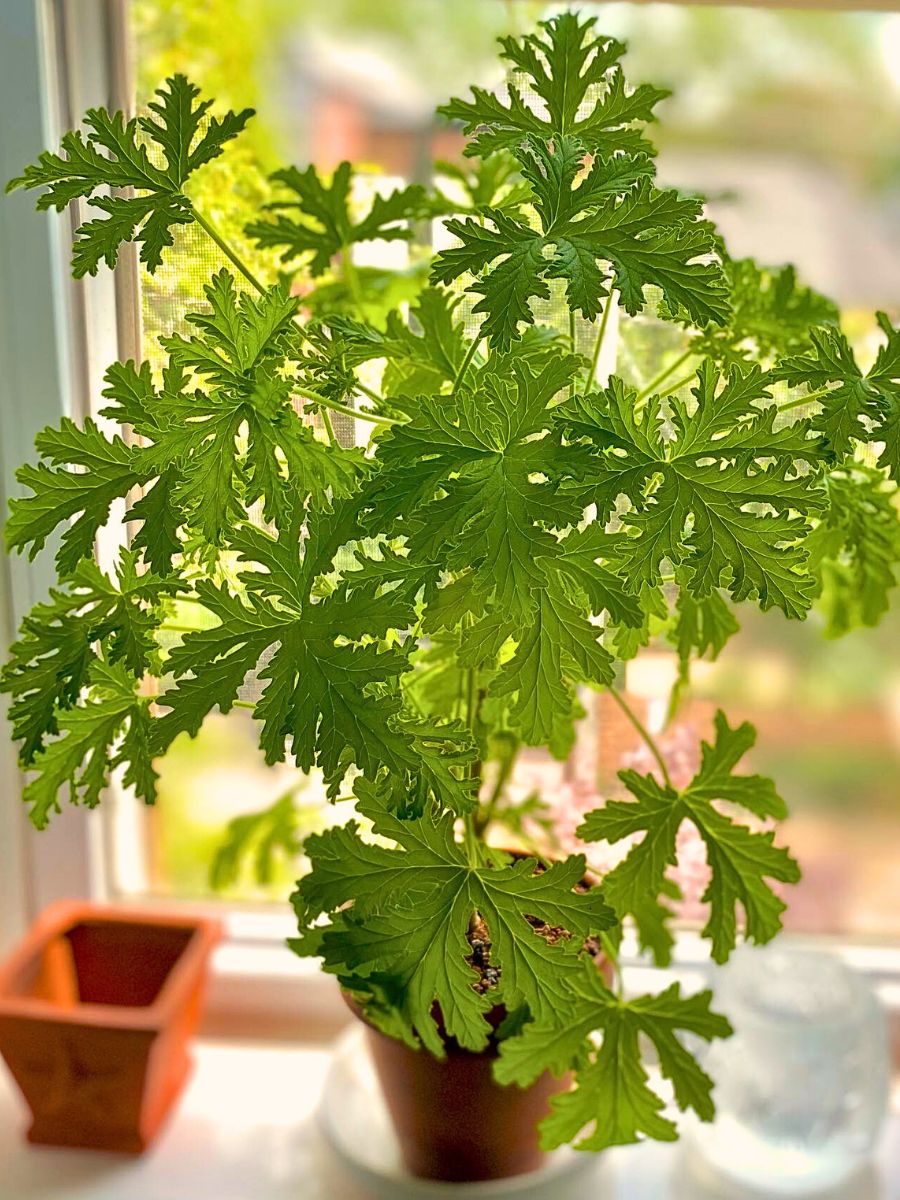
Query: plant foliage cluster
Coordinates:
[414,612]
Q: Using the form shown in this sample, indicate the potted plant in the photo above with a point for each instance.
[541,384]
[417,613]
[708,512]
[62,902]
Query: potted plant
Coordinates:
[417,611]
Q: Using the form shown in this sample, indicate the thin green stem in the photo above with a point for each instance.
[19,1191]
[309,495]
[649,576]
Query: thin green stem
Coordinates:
[207,226]
[244,704]
[336,406]
[504,773]
[611,953]
[329,428]
[571,388]
[664,374]
[473,848]
[465,364]
[367,391]
[351,278]
[598,340]
[644,733]
[803,400]
[676,386]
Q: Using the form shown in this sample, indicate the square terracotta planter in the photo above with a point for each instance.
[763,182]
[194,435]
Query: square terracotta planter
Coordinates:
[97,1007]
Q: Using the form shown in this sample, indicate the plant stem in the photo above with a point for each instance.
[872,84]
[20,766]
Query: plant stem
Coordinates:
[336,406]
[207,226]
[244,704]
[679,383]
[664,374]
[367,391]
[329,428]
[464,365]
[598,340]
[802,400]
[644,732]
[471,831]
[352,281]
[486,815]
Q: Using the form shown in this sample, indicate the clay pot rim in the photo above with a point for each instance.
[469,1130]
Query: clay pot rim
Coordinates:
[59,918]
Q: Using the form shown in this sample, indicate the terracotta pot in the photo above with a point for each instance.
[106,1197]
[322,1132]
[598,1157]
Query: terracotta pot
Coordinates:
[96,1010]
[452,1121]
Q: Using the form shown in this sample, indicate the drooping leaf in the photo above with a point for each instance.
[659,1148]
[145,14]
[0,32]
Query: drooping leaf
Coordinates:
[51,662]
[613,1102]
[109,469]
[89,747]
[741,859]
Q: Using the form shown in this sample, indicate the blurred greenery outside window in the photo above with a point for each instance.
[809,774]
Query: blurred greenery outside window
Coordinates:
[790,123]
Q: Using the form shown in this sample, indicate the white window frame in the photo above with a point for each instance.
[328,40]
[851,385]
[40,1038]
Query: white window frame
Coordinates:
[57,58]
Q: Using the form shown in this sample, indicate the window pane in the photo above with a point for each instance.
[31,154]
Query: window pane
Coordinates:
[790,123]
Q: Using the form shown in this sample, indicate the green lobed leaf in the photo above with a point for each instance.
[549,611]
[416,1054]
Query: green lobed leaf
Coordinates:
[741,860]
[580,81]
[112,153]
[409,917]
[90,745]
[614,229]
[613,1102]
[324,224]
[724,497]
[862,407]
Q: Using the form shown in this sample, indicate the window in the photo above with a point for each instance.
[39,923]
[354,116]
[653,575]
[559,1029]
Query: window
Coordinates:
[791,121]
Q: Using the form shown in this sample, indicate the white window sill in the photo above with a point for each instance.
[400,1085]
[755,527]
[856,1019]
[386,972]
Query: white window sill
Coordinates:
[246,1129]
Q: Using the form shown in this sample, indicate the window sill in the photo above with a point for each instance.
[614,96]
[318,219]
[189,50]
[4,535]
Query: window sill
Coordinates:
[246,1127]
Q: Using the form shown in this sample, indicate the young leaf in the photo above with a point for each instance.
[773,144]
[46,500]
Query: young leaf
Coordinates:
[89,747]
[569,69]
[324,225]
[113,155]
[613,1099]
[51,662]
[862,407]
[422,354]
[741,860]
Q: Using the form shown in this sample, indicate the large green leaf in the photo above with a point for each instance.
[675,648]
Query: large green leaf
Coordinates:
[409,917]
[581,84]
[614,229]
[724,496]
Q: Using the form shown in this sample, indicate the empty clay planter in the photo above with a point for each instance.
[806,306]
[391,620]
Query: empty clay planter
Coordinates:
[96,1010]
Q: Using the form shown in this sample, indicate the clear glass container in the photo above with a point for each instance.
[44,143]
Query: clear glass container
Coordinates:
[802,1087]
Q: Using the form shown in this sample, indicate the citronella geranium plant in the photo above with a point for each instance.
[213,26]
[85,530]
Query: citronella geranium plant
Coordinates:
[516,529]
